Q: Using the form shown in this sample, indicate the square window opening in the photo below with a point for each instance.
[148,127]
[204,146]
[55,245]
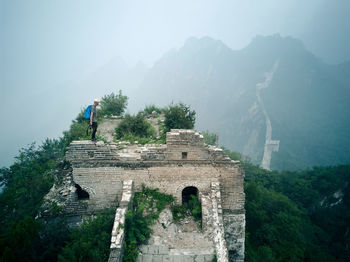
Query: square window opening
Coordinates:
[184,155]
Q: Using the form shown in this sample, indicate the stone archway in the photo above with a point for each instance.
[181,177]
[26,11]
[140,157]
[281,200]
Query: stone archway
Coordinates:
[187,192]
[82,194]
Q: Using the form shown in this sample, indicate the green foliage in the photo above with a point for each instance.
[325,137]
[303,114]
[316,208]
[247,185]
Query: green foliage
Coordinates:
[209,138]
[80,117]
[134,128]
[78,128]
[27,181]
[275,222]
[192,208]
[147,205]
[20,241]
[113,104]
[195,207]
[179,116]
[55,209]
[285,217]
[152,108]
[53,236]
[90,241]
[233,155]
[77,131]
[179,212]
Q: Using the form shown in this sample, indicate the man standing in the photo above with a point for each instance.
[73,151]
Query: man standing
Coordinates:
[93,119]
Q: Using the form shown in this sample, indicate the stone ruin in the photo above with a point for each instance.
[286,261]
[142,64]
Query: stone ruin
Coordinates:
[106,174]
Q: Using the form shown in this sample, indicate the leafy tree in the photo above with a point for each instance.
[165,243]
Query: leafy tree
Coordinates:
[179,116]
[114,104]
[27,181]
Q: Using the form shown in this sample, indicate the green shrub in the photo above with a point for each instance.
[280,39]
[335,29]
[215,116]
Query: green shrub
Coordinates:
[179,116]
[113,104]
[27,181]
[77,131]
[192,208]
[152,108]
[233,155]
[195,207]
[147,205]
[179,212]
[135,126]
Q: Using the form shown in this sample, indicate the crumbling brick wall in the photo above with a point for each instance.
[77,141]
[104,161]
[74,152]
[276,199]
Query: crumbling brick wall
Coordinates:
[184,161]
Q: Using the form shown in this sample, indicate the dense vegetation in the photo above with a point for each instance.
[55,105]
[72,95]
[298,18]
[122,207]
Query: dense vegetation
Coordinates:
[298,216]
[90,241]
[146,208]
[24,185]
[135,128]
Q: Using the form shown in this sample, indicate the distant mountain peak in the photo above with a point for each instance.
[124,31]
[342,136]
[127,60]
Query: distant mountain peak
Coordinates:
[276,42]
[203,43]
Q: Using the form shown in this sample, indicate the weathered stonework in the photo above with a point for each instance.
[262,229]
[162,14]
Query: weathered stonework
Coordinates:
[118,234]
[185,161]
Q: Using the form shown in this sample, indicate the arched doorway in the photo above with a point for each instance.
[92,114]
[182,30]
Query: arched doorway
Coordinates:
[82,194]
[187,192]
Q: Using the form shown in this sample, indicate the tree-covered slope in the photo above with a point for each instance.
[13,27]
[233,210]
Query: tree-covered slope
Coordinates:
[298,216]
[291,216]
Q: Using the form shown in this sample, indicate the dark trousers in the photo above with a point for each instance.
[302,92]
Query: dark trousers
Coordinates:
[94,129]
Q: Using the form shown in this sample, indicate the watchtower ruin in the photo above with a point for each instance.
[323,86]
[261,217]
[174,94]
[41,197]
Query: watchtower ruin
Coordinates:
[183,166]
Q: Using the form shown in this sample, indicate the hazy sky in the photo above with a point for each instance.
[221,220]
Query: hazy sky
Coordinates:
[46,44]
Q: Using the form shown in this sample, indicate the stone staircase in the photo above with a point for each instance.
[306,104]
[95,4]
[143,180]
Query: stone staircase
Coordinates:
[154,253]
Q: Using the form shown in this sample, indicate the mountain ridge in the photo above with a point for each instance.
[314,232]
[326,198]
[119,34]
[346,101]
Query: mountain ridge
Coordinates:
[221,87]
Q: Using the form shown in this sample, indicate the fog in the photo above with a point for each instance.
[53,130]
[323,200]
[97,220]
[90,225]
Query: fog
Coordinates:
[49,49]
